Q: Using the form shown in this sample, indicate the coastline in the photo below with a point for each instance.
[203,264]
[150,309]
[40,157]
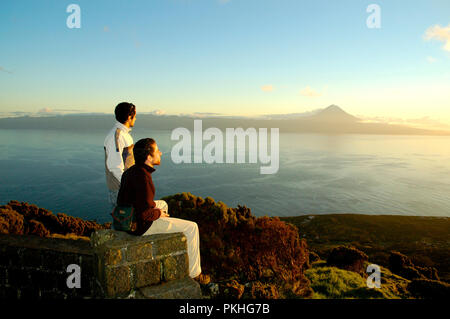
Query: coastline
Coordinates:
[423,241]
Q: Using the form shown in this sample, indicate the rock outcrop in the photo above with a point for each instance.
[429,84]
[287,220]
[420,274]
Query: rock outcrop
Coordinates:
[348,258]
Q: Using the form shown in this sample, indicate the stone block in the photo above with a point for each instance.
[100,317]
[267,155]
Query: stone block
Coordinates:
[175,267]
[117,281]
[100,237]
[114,239]
[53,260]
[87,266]
[147,273]
[124,262]
[169,245]
[29,293]
[136,253]
[18,278]
[43,280]
[10,293]
[3,276]
[87,287]
[185,288]
[11,256]
[4,258]
[61,280]
[32,258]
[113,256]
[52,295]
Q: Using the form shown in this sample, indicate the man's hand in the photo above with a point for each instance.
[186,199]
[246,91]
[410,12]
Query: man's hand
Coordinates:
[163,213]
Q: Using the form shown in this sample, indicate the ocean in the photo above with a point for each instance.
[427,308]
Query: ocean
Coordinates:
[63,171]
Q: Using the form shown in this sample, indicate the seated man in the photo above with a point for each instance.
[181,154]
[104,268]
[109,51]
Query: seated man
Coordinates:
[137,190]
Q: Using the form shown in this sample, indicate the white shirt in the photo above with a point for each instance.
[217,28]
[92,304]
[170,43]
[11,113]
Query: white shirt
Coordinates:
[114,159]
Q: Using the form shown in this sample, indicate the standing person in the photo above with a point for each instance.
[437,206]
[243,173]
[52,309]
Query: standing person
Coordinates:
[118,148]
[137,190]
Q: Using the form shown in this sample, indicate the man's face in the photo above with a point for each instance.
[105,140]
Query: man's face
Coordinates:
[132,120]
[156,158]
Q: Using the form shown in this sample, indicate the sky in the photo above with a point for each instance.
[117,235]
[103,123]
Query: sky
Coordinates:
[231,57]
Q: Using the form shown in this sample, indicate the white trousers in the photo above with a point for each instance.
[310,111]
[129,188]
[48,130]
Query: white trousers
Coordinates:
[165,225]
[112,198]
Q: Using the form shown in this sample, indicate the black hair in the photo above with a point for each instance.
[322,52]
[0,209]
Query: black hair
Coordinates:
[142,149]
[123,111]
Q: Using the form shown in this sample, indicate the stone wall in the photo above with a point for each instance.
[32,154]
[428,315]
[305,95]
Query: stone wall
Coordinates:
[112,265]
[153,266]
[32,267]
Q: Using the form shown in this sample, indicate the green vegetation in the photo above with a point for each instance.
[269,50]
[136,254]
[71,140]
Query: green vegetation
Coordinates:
[261,253]
[269,257]
[425,240]
[335,283]
[25,219]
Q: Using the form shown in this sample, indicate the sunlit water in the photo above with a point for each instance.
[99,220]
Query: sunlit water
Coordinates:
[318,174]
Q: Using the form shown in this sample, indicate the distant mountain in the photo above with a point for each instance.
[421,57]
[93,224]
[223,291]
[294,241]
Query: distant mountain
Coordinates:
[334,120]
[334,114]
[331,120]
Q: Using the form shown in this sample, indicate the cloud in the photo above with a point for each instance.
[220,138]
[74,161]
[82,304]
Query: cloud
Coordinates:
[309,92]
[45,110]
[2,69]
[50,111]
[210,115]
[423,122]
[158,112]
[289,115]
[203,114]
[14,114]
[428,122]
[267,88]
[67,110]
[430,59]
[439,33]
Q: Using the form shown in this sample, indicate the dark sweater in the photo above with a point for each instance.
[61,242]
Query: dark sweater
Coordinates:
[137,190]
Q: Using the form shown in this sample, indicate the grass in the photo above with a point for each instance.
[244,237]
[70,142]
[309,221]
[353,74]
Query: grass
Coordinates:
[335,283]
[426,240]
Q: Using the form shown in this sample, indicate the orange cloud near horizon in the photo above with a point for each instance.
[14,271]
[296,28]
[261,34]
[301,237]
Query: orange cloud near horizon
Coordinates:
[439,33]
[267,88]
[309,92]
